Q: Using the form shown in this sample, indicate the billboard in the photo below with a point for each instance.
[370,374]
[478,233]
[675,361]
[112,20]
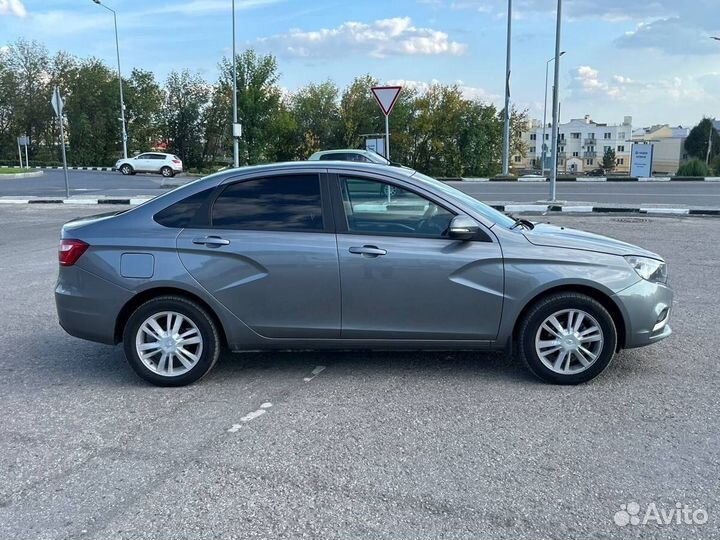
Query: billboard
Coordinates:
[641,160]
[376,145]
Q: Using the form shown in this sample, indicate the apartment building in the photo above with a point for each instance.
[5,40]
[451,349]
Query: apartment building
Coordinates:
[668,144]
[581,145]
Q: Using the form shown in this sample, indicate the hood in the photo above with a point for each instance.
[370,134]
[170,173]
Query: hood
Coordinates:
[562,237]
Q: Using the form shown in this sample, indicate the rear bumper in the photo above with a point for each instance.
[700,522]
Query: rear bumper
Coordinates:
[646,308]
[87,305]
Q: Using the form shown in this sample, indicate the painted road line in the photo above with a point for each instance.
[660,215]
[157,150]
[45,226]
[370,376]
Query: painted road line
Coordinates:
[475,179]
[80,201]
[653,178]
[532,179]
[14,201]
[576,209]
[250,416]
[139,200]
[315,372]
[591,179]
[678,211]
[526,208]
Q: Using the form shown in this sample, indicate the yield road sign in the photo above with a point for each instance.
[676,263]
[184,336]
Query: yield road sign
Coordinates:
[386,96]
[57,102]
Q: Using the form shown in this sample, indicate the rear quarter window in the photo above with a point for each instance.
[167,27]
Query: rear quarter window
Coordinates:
[181,214]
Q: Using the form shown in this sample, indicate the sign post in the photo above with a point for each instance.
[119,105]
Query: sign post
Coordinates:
[57,104]
[19,139]
[386,96]
[641,160]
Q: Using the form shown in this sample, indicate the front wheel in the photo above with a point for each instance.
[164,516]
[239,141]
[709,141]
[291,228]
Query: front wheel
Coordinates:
[167,172]
[126,169]
[567,338]
[171,341]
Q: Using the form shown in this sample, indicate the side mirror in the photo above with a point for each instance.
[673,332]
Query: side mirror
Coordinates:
[463,228]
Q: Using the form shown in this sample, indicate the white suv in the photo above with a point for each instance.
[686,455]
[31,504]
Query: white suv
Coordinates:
[153,162]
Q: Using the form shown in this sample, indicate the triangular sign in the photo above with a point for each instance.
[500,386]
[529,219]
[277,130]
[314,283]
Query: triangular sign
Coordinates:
[386,96]
[57,102]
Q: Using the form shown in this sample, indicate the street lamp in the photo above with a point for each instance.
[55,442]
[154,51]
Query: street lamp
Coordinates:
[544,146]
[122,103]
[506,126]
[556,107]
[235,128]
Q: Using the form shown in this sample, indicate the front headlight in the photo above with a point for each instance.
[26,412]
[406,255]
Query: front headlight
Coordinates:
[648,269]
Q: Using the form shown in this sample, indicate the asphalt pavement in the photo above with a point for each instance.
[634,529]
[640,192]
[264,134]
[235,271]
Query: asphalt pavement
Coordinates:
[375,445]
[113,184]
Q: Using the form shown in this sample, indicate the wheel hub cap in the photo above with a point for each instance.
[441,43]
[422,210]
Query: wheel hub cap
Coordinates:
[169,343]
[569,341]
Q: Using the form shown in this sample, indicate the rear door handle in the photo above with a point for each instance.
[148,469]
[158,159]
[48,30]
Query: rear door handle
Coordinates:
[212,241]
[368,251]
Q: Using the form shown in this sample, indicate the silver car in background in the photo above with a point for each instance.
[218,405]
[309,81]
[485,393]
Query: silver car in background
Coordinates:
[321,255]
[167,165]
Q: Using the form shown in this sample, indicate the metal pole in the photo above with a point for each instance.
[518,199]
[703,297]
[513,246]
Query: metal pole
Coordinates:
[236,142]
[544,146]
[122,101]
[707,157]
[555,110]
[387,138]
[64,157]
[20,154]
[27,161]
[506,130]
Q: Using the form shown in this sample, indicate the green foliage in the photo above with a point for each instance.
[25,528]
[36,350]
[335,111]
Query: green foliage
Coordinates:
[437,131]
[694,167]
[608,160]
[696,144]
[715,165]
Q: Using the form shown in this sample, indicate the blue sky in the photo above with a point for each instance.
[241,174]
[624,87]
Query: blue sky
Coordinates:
[651,59]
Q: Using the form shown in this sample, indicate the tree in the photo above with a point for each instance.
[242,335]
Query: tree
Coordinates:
[608,160]
[183,115]
[317,116]
[143,106]
[359,112]
[696,144]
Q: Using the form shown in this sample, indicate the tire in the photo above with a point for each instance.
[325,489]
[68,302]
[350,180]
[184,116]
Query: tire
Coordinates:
[167,172]
[588,350]
[126,169]
[179,367]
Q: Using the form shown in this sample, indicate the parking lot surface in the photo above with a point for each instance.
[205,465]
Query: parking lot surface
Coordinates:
[354,445]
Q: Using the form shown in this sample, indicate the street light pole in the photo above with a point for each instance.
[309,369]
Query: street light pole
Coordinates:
[236,142]
[122,102]
[555,109]
[506,129]
[543,148]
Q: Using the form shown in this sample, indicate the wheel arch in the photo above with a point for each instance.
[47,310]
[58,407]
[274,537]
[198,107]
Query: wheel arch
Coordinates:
[596,294]
[148,294]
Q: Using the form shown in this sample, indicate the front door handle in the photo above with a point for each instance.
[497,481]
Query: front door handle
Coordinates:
[368,251]
[211,241]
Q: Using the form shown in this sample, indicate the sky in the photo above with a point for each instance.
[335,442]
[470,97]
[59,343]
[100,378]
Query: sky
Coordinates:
[653,60]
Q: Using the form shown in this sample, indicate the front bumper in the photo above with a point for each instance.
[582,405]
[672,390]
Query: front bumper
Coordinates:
[646,308]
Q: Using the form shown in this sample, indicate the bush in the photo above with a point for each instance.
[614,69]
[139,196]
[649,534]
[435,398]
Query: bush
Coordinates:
[694,167]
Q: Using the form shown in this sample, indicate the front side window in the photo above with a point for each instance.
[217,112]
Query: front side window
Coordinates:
[373,207]
[279,203]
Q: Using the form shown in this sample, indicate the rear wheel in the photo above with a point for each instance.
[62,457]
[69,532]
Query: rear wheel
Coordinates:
[126,169]
[167,172]
[567,338]
[171,341]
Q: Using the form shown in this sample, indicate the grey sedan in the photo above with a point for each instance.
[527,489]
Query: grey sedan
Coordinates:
[350,256]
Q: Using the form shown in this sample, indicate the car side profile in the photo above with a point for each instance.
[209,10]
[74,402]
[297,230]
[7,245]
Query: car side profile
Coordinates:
[312,255]
[151,162]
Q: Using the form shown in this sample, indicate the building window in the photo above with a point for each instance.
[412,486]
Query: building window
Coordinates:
[621,135]
[589,162]
[607,135]
[621,148]
[575,135]
[590,148]
[562,136]
[518,159]
[547,136]
[591,136]
[621,161]
[606,148]
[576,154]
[533,137]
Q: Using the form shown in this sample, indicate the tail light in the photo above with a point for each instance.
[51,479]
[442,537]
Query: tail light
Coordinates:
[176,161]
[70,251]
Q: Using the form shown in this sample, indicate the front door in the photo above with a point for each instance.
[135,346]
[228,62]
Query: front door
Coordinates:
[402,277]
[269,256]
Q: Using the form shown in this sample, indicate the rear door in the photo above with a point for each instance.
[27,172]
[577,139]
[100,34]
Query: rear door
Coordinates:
[402,277]
[142,163]
[268,254]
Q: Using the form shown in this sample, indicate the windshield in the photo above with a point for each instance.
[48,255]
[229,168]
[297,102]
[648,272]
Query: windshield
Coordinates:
[487,211]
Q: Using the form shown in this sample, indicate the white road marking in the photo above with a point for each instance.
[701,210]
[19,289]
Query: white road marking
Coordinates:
[679,211]
[526,207]
[315,372]
[250,416]
[576,209]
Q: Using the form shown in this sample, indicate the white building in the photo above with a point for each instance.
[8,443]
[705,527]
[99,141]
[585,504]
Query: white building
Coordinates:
[668,144]
[581,145]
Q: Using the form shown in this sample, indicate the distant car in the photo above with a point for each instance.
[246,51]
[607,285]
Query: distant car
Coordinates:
[596,172]
[358,156]
[153,162]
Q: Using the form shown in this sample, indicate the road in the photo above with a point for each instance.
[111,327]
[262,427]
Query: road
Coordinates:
[375,446]
[684,194]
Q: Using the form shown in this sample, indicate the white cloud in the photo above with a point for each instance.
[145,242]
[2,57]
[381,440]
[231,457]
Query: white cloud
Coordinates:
[198,7]
[468,92]
[12,7]
[385,37]
[675,35]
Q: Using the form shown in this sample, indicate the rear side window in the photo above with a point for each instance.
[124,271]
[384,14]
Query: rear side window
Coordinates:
[279,203]
[181,214]
[336,156]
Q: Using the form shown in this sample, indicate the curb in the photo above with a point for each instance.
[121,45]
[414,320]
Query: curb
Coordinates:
[593,179]
[73,168]
[17,176]
[130,201]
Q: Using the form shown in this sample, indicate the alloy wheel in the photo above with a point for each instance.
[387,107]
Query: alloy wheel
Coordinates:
[169,343]
[569,341]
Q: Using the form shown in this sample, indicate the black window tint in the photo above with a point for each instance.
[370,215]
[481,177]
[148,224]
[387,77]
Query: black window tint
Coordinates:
[275,203]
[337,156]
[180,214]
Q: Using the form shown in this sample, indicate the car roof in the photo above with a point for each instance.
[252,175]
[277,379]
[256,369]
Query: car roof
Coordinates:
[335,164]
